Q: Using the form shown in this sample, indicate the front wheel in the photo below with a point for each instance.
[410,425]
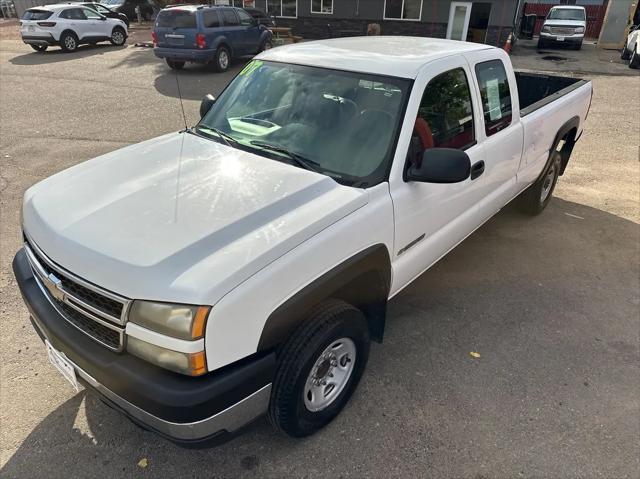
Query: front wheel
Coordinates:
[174,65]
[625,53]
[536,198]
[39,48]
[319,369]
[266,45]
[118,37]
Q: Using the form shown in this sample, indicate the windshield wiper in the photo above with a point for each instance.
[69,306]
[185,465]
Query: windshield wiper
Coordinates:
[228,139]
[300,160]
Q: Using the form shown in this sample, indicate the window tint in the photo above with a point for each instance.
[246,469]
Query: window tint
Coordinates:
[101,9]
[73,14]
[175,18]
[211,19]
[230,18]
[245,18]
[495,94]
[447,110]
[91,14]
[37,15]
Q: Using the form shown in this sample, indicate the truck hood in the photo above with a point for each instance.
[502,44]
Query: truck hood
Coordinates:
[179,218]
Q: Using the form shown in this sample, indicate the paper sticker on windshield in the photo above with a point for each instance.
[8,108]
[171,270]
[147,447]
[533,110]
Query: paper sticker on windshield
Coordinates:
[251,67]
[493,99]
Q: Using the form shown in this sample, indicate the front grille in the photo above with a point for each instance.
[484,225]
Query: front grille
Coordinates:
[98,313]
[562,30]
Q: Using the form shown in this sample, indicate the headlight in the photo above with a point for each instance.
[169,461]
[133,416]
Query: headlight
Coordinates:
[546,29]
[176,320]
[579,30]
[192,364]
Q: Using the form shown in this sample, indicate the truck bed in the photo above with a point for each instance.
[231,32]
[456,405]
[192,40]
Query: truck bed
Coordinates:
[536,90]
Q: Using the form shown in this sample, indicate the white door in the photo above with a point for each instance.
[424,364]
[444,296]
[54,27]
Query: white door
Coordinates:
[459,15]
[94,25]
[430,218]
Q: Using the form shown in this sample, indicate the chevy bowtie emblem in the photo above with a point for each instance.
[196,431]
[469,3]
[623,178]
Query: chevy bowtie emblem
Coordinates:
[54,285]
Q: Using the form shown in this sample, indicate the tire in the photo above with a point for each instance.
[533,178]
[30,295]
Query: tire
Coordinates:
[634,62]
[222,60]
[174,65]
[39,48]
[535,199]
[577,46]
[334,327]
[68,42]
[118,36]
[266,45]
[626,54]
[540,44]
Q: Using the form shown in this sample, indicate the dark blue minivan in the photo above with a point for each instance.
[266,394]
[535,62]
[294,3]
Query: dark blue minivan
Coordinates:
[207,34]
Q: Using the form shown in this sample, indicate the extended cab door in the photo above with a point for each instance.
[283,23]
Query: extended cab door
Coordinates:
[501,131]
[431,218]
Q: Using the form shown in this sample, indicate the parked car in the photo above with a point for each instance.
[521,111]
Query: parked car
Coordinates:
[241,267]
[148,8]
[261,17]
[107,12]
[69,26]
[564,25]
[202,34]
[630,49]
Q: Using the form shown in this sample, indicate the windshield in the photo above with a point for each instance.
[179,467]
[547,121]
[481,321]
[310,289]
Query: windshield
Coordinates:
[112,2]
[344,124]
[566,14]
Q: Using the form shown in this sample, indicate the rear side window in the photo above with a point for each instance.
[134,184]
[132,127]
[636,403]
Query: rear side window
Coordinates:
[245,18]
[73,14]
[36,15]
[211,19]
[447,111]
[495,94]
[176,19]
[230,18]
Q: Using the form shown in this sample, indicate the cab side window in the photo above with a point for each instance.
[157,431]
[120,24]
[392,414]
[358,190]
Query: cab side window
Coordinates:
[495,94]
[245,18]
[211,19]
[230,19]
[445,115]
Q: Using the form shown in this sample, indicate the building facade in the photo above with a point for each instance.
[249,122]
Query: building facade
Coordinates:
[488,21]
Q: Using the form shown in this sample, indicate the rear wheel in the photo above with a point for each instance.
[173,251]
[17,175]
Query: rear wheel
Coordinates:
[118,37]
[39,48]
[536,198]
[266,45]
[68,42]
[320,367]
[634,62]
[222,60]
[174,65]
[625,53]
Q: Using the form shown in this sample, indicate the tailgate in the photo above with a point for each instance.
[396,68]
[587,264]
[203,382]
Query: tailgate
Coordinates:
[176,28]
[35,22]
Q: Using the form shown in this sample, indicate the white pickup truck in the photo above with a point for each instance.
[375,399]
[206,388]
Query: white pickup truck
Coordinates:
[203,278]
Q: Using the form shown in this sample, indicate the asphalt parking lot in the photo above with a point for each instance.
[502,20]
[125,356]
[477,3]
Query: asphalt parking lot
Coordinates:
[551,304]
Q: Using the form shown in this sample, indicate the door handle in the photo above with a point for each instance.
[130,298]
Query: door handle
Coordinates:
[477,170]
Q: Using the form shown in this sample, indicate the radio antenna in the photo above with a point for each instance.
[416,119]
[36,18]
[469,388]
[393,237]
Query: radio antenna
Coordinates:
[184,117]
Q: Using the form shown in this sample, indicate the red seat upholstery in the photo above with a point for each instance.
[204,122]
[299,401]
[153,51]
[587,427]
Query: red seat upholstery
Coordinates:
[423,131]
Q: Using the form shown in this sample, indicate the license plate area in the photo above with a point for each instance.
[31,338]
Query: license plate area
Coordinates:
[560,39]
[173,39]
[31,28]
[62,364]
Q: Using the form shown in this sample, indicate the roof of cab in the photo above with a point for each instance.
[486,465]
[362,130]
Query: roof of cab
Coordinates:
[53,7]
[383,55]
[567,7]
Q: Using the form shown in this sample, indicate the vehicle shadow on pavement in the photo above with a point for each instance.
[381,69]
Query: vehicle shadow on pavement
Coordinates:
[549,303]
[195,80]
[56,55]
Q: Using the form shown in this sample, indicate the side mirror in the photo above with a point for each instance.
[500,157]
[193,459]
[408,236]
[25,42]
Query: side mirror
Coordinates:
[206,104]
[104,19]
[441,165]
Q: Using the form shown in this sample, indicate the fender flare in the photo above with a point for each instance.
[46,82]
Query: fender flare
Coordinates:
[222,40]
[363,280]
[572,123]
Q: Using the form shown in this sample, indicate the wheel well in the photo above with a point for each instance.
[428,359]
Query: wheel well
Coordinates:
[68,30]
[118,27]
[565,147]
[363,281]
[226,45]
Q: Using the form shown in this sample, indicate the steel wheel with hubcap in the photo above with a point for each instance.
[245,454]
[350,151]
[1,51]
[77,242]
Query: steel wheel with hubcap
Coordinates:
[536,198]
[319,367]
[68,42]
[330,374]
[118,37]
